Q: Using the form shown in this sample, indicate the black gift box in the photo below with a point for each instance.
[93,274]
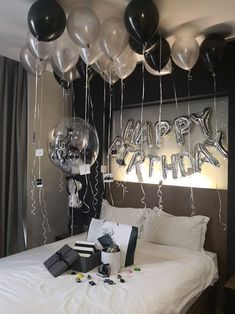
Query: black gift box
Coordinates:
[62,260]
[85,264]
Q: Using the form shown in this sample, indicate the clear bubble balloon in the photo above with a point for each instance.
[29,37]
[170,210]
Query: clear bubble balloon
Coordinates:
[92,54]
[72,143]
[30,63]
[40,49]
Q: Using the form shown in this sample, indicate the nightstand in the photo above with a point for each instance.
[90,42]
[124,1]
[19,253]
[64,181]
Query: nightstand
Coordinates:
[229,307]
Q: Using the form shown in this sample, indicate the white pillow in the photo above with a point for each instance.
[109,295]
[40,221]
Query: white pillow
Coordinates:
[163,228]
[128,216]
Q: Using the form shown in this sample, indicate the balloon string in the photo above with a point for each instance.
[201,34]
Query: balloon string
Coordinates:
[142,106]
[110,124]
[93,197]
[96,183]
[33,210]
[61,182]
[220,209]
[159,195]
[45,210]
[192,202]
[121,113]
[160,89]
[175,95]
[72,222]
[144,195]
[84,197]
[86,104]
[124,190]
[103,133]
[215,102]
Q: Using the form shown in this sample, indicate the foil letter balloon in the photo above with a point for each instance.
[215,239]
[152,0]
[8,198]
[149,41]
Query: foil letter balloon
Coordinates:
[202,119]
[173,166]
[136,160]
[182,126]
[127,134]
[152,160]
[181,162]
[71,143]
[162,128]
[115,146]
[217,142]
[201,155]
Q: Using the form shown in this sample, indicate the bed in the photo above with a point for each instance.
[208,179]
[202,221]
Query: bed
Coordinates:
[168,283]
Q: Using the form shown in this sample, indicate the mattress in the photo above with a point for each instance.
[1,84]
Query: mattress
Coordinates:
[169,279]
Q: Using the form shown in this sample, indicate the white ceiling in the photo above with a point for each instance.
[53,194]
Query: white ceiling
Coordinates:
[197,17]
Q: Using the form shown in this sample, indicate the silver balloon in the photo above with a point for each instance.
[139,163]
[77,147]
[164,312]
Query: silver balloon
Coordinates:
[74,187]
[113,37]
[92,54]
[31,64]
[202,119]
[124,151]
[173,166]
[136,131]
[128,131]
[66,55]
[126,63]
[201,155]
[110,76]
[68,76]
[40,49]
[72,143]
[102,65]
[165,71]
[182,167]
[136,160]
[182,126]
[145,134]
[185,52]
[217,142]
[115,146]
[83,26]
[162,129]
[152,160]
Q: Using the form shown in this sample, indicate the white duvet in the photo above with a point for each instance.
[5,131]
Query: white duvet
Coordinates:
[169,278]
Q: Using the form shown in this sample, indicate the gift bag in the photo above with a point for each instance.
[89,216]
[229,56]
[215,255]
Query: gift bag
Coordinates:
[124,236]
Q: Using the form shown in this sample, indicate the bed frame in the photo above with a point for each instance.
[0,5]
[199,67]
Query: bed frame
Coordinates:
[176,200]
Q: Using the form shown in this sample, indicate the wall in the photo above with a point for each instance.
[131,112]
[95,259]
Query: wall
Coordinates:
[56,201]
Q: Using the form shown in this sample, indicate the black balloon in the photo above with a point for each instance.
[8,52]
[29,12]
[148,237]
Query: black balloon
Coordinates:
[139,48]
[212,51]
[46,20]
[158,57]
[63,83]
[141,19]
[81,68]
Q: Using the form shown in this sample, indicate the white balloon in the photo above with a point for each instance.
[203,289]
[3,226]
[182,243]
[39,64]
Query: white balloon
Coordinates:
[113,37]
[31,64]
[110,76]
[68,76]
[185,52]
[83,26]
[166,70]
[102,65]
[40,49]
[66,54]
[92,54]
[126,63]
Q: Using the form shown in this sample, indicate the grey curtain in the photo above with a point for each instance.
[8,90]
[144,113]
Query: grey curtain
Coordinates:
[13,156]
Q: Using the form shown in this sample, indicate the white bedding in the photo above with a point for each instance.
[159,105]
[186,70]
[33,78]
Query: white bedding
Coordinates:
[169,278]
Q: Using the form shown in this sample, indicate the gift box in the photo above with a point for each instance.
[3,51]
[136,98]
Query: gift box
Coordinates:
[85,264]
[62,260]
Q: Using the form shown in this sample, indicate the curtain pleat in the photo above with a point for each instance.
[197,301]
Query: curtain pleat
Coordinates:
[13,156]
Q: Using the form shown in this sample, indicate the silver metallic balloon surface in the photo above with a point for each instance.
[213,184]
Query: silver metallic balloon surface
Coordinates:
[83,26]
[202,119]
[40,49]
[74,187]
[145,134]
[115,146]
[128,131]
[71,143]
[124,151]
[30,63]
[173,166]
[217,142]
[201,155]
[182,126]
[162,128]
[66,54]
[181,162]
[136,131]
[185,52]
[152,160]
[113,37]
[136,160]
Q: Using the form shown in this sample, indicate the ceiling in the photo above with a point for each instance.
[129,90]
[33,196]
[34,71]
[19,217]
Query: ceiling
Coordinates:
[197,18]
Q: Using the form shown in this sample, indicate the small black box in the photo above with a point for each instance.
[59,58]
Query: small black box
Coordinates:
[62,260]
[85,264]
